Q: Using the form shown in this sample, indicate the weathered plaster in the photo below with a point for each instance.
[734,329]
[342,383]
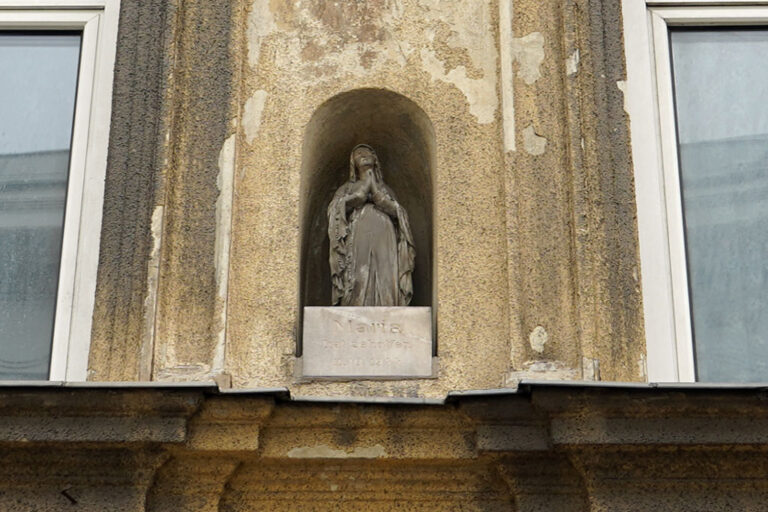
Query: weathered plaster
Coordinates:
[542,370]
[506,76]
[225,183]
[470,28]
[314,51]
[572,63]
[319,39]
[570,212]
[528,52]
[538,339]
[541,236]
[324,39]
[252,110]
[189,323]
[590,368]
[481,94]
[150,301]
[622,86]
[261,24]
[533,143]
[642,367]
[133,189]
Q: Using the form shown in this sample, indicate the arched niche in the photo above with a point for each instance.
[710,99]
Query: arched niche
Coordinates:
[403,137]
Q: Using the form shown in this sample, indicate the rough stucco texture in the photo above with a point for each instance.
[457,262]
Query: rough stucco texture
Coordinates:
[186,311]
[534,250]
[570,212]
[136,151]
[441,56]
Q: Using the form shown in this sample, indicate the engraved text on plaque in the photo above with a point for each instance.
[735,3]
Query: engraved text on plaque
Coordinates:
[367,342]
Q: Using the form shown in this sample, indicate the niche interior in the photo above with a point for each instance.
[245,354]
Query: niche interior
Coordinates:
[404,140]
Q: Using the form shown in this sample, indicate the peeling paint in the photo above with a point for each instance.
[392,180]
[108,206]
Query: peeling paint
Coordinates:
[528,52]
[150,301]
[622,86]
[261,24]
[320,42]
[481,94]
[538,339]
[542,370]
[468,22]
[572,63]
[533,142]
[222,245]
[157,227]
[224,182]
[590,368]
[507,77]
[252,111]
[323,451]
[320,46]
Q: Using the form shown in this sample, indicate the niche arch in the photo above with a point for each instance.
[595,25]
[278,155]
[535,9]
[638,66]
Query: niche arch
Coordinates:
[404,139]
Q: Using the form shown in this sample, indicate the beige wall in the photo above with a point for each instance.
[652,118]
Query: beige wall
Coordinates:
[535,273]
[444,60]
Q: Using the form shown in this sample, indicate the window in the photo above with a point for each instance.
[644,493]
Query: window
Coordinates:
[696,90]
[57,60]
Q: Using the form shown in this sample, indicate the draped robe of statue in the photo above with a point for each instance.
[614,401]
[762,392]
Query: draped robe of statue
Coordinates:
[371,246]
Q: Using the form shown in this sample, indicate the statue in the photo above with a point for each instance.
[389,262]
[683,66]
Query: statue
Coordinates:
[371,246]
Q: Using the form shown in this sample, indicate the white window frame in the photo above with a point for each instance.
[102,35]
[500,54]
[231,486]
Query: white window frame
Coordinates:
[650,104]
[98,21]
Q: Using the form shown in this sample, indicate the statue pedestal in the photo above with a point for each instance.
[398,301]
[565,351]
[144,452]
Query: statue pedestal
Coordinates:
[367,342]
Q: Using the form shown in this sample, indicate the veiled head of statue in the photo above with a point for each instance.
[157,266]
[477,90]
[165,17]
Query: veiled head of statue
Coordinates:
[363,155]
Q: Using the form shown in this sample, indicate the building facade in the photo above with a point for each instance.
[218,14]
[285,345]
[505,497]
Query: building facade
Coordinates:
[569,175]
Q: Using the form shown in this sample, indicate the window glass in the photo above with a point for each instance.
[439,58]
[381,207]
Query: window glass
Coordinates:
[37,100]
[721,101]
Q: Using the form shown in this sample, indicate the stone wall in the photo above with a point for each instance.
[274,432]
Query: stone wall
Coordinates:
[541,448]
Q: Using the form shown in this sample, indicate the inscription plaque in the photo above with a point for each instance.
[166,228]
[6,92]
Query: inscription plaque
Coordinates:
[367,342]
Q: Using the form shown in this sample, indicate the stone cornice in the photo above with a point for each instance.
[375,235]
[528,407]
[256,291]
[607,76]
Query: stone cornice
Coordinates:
[536,417]
[146,447]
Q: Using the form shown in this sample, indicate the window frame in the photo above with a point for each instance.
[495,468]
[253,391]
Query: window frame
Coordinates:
[650,105]
[98,21]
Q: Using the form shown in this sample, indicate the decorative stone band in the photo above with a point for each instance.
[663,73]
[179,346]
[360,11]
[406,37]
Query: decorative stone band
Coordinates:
[542,446]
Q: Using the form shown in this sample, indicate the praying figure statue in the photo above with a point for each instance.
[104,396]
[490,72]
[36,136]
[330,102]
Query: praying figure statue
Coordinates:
[371,246]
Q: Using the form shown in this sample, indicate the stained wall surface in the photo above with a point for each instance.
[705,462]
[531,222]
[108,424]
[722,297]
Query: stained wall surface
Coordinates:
[531,259]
